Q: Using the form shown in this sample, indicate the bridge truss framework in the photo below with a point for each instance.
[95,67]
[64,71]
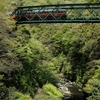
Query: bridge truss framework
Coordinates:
[75,13]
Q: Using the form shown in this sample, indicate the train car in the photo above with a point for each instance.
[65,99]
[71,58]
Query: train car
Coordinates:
[47,14]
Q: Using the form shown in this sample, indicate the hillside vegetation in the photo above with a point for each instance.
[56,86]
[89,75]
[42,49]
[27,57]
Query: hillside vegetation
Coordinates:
[32,56]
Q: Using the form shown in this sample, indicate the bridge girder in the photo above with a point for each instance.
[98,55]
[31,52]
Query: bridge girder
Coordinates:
[62,13]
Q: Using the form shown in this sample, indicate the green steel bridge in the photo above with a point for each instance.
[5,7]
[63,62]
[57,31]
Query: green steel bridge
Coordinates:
[60,13]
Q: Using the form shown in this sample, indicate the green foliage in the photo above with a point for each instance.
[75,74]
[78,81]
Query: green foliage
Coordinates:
[69,51]
[34,74]
[93,89]
[52,91]
[4,93]
[43,96]
[91,67]
[44,50]
[1,77]
[94,1]
[22,96]
[50,65]
[9,62]
[93,86]
[45,75]
[1,6]
[11,93]
[14,94]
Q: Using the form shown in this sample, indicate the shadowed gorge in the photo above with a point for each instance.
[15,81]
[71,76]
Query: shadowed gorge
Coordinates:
[37,61]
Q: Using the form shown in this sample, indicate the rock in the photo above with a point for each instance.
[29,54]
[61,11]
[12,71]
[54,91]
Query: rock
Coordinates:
[64,90]
[70,90]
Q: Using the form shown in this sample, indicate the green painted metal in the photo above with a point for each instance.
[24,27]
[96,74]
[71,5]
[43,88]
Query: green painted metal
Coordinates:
[68,13]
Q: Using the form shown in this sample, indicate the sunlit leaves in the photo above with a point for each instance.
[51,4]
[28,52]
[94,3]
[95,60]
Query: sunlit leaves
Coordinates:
[93,86]
[51,90]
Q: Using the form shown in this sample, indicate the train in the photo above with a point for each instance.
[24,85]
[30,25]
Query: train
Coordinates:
[46,14]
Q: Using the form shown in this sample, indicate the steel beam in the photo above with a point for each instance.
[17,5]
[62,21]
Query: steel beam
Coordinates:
[62,13]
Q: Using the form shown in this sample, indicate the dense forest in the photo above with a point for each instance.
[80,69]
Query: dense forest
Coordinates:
[32,56]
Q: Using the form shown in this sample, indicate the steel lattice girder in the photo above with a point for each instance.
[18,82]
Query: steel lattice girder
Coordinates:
[62,13]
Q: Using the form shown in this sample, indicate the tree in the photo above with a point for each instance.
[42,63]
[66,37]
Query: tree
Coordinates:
[93,86]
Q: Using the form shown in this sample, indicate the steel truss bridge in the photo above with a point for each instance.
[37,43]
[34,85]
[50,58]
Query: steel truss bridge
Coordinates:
[61,13]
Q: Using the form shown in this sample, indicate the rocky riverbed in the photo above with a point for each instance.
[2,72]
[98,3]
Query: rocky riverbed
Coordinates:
[70,90]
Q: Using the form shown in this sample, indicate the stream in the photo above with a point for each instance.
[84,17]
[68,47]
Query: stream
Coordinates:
[70,90]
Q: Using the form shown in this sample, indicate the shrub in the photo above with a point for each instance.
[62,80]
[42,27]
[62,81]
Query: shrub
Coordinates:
[43,96]
[22,96]
[52,91]
[14,94]
[4,93]
[93,86]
